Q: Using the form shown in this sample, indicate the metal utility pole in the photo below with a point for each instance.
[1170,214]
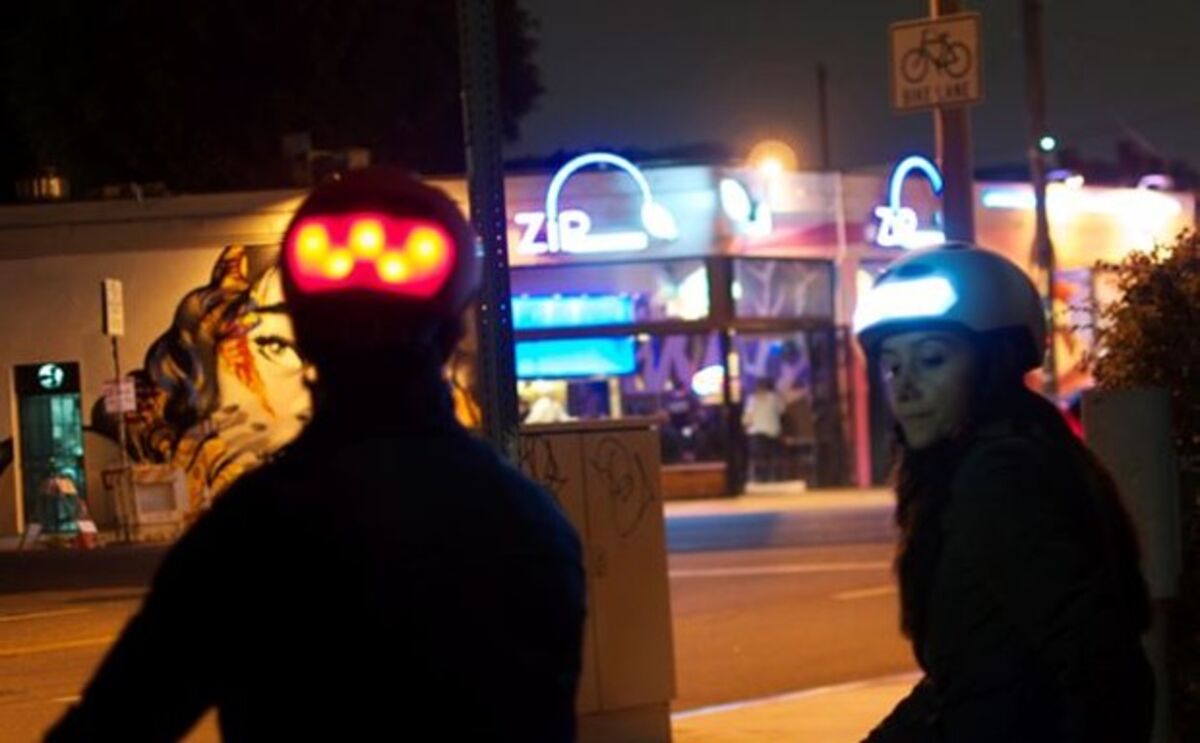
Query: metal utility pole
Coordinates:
[823,113]
[952,134]
[485,179]
[1043,249]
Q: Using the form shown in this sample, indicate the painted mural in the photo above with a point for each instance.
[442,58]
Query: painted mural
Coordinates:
[224,386]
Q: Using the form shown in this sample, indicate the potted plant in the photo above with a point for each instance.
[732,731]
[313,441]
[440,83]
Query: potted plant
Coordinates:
[1149,336]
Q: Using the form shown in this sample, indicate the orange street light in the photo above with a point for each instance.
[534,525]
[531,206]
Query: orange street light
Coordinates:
[772,157]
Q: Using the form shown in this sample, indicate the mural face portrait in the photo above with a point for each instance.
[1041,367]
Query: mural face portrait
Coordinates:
[224,386]
[262,400]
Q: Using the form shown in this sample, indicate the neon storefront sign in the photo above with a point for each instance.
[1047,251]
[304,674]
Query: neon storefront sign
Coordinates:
[898,224]
[753,218]
[570,230]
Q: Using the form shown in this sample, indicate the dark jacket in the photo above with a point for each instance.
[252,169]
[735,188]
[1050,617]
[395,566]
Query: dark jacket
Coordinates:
[387,577]
[1036,603]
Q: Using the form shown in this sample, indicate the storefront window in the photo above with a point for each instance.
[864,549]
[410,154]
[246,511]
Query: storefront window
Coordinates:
[660,290]
[674,382]
[802,369]
[677,379]
[782,288]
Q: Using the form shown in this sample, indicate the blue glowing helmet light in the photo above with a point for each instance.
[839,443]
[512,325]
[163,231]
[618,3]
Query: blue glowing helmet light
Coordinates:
[927,298]
[956,285]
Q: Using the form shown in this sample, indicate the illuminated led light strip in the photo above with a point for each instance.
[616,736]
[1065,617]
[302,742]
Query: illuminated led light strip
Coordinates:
[365,250]
[995,198]
[929,297]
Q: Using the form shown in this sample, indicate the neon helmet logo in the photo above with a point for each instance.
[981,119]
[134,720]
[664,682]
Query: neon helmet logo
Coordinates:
[365,250]
[570,230]
[898,225]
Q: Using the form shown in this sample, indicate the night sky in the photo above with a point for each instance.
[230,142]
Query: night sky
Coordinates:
[661,73]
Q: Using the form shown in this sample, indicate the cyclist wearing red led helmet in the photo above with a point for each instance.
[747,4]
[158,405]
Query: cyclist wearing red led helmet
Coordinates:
[1020,585]
[386,575]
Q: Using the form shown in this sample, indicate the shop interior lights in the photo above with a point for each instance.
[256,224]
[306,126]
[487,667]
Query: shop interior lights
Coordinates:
[575,357]
[571,311]
[708,381]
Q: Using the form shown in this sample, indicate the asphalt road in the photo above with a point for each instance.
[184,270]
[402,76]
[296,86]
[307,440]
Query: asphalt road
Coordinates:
[50,642]
[762,604]
[752,623]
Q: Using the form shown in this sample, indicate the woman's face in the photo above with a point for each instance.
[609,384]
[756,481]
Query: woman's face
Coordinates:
[264,401]
[927,376]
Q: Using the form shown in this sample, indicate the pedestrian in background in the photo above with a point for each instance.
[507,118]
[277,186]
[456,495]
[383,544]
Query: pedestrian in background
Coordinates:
[762,419]
[387,576]
[1020,584]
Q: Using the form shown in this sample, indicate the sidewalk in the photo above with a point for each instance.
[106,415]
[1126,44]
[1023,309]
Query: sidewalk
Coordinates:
[832,714]
[787,513]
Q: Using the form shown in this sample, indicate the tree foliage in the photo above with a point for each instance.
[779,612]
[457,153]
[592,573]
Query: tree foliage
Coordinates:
[198,93]
[1150,337]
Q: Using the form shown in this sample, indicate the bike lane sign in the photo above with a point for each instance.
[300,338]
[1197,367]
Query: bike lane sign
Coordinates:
[936,62]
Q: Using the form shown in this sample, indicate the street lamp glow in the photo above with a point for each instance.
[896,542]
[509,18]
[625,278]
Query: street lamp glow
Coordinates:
[770,166]
[1047,143]
[772,157]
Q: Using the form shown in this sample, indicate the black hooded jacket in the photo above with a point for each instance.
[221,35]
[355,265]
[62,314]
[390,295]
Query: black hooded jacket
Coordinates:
[387,576]
[1030,603]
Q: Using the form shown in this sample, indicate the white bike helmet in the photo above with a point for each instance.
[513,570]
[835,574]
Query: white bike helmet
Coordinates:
[955,285]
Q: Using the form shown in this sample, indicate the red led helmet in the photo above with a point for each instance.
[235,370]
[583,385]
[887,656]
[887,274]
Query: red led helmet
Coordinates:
[376,261]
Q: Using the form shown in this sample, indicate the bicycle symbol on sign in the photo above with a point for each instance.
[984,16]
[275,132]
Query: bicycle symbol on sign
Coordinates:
[950,57]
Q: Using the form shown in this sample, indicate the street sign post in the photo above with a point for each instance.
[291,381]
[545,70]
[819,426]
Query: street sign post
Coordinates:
[936,62]
[118,398]
[113,301]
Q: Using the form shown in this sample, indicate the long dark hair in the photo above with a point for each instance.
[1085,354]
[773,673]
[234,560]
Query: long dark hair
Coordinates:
[923,482]
[181,364]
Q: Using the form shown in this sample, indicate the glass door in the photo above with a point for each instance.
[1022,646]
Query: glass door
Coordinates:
[51,423]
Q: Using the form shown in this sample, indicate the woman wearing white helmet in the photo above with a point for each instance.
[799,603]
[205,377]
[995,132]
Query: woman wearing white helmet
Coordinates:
[1020,585]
